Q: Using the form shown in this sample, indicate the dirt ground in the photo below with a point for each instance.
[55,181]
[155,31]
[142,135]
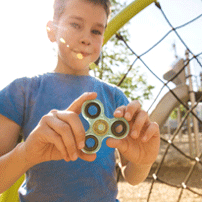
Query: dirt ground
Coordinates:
[174,170]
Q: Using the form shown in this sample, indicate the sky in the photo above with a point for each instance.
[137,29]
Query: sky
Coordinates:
[25,49]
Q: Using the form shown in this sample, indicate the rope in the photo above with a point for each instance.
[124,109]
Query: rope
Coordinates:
[170,143]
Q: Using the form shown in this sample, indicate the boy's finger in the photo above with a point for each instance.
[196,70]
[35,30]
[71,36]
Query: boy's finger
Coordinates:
[119,112]
[52,137]
[140,121]
[64,130]
[87,157]
[77,104]
[131,109]
[121,145]
[73,120]
[152,131]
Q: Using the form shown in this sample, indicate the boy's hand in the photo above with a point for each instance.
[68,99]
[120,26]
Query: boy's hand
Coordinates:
[141,146]
[59,135]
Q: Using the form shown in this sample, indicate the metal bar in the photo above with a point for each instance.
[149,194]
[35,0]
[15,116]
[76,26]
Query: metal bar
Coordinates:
[124,16]
[193,101]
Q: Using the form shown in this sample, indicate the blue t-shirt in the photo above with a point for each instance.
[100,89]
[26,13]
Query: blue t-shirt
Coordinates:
[26,100]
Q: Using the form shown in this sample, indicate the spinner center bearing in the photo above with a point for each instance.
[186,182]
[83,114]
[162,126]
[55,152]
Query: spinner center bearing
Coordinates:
[100,127]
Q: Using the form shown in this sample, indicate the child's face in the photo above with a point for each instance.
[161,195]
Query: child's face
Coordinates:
[79,35]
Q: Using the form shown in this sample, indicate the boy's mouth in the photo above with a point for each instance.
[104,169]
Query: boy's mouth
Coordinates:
[79,54]
[85,54]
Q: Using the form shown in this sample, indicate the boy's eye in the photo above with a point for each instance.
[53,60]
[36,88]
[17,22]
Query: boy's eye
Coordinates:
[97,32]
[75,25]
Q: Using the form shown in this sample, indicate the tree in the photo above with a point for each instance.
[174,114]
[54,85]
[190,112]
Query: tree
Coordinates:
[115,61]
[174,113]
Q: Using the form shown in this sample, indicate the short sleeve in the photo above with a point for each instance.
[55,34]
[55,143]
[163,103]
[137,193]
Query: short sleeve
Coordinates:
[12,101]
[121,98]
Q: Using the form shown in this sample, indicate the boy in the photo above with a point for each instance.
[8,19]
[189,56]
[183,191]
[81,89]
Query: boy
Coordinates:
[46,109]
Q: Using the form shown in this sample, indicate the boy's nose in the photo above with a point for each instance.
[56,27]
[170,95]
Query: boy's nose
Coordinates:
[85,39]
[85,42]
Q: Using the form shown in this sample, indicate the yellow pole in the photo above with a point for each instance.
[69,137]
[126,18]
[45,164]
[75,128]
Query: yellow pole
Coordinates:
[11,195]
[124,16]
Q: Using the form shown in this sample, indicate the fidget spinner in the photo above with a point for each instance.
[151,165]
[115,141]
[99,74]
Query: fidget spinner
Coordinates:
[100,126]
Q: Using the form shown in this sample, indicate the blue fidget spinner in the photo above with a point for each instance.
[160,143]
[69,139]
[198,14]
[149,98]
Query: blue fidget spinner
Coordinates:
[100,126]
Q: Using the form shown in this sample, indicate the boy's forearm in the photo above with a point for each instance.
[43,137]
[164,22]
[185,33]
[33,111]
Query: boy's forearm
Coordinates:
[12,167]
[134,173]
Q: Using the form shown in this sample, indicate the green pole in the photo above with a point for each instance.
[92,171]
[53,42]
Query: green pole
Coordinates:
[124,16]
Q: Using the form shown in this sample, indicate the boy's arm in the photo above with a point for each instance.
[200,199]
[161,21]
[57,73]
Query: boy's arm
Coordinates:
[12,165]
[134,173]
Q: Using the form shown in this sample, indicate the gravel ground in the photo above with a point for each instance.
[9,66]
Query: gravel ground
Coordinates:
[174,170]
[161,193]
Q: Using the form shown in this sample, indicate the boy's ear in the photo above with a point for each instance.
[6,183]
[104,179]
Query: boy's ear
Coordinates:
[51,31]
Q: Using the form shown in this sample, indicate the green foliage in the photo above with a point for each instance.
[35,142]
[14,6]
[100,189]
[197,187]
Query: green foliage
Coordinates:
[115,62]
[173,115]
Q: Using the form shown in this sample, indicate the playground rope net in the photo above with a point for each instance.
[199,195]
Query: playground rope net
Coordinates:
[195,161]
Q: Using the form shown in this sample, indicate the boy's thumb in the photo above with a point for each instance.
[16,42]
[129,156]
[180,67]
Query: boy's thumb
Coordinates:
[113,143]
[77,104]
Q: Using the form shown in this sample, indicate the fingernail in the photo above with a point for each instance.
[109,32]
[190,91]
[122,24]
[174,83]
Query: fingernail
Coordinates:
[128,116]
[90,93]
[66,158]
[144,138]
[81,145]
[134,134]
[74,157]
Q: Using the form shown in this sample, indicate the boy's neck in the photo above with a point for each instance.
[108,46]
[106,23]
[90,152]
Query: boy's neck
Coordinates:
[63,69]
[56,70]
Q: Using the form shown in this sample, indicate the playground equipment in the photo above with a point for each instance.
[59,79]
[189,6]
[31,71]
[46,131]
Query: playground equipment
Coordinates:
[11,195]
[195,160]
[193,101]
[124,16]
[168,103]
